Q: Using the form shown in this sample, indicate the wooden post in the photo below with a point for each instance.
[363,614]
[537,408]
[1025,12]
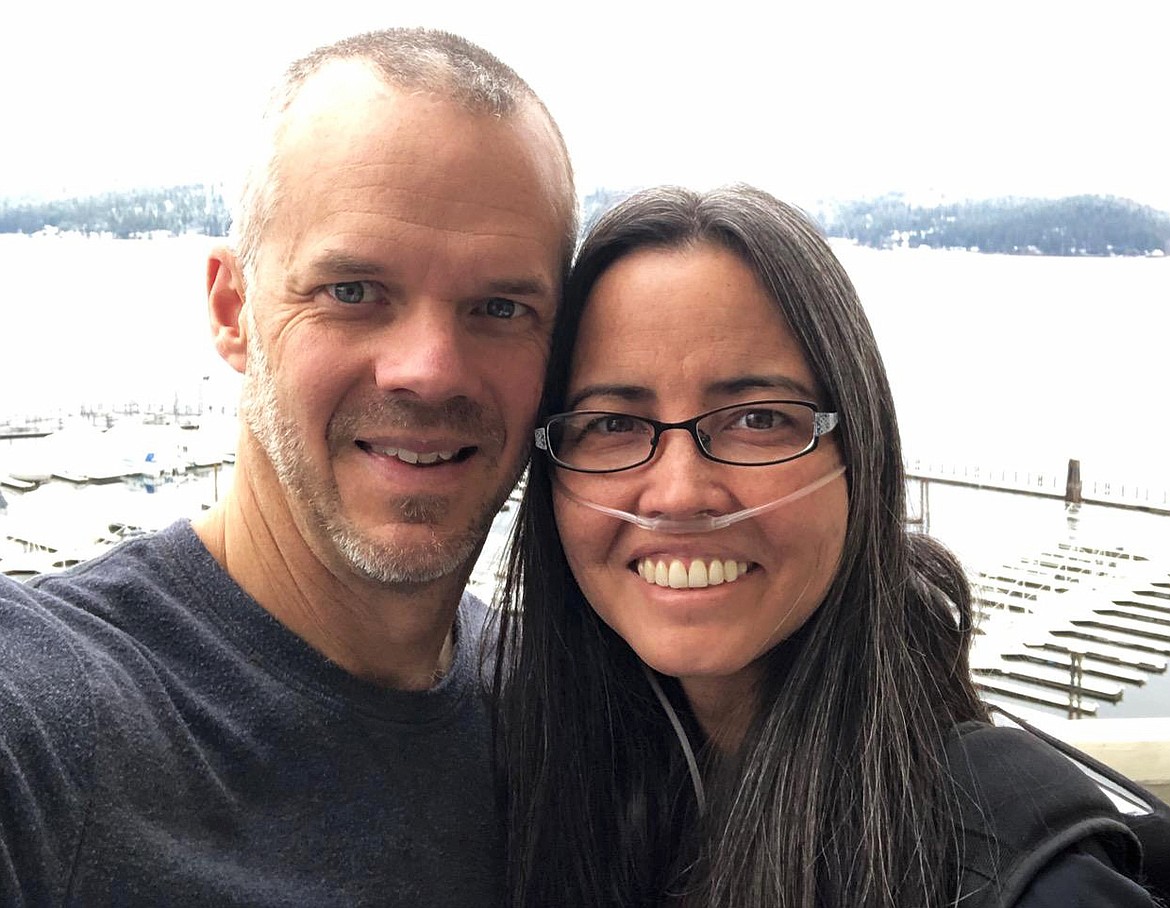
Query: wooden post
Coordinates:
[922,518]
[1072,485]
[1075,681]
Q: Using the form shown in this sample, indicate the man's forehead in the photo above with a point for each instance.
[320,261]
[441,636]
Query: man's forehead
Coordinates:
[330,93]
[350,98]
[348,118]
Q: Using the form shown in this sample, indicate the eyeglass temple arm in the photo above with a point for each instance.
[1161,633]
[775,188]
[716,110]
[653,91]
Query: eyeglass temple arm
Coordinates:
[823,423]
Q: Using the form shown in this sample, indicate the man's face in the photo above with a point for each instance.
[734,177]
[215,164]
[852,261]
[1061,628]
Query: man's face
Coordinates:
[398,321]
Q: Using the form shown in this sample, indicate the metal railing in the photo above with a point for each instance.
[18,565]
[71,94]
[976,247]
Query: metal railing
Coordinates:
[1045,484]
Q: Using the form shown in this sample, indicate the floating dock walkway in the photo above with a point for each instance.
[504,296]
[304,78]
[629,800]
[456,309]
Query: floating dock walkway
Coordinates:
[1071,626]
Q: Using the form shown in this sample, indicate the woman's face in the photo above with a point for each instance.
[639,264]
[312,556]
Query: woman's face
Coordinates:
[670,334]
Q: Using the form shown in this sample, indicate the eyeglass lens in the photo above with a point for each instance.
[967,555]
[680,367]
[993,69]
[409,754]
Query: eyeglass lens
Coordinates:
[753,433]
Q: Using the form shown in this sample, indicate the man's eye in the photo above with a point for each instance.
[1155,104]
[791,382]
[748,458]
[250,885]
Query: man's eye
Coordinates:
[498,307]
[351,292]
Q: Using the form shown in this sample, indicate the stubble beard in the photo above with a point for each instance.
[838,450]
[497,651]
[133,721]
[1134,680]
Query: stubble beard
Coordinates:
[378,560]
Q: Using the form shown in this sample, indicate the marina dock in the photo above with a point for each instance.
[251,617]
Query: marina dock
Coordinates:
[1072,626]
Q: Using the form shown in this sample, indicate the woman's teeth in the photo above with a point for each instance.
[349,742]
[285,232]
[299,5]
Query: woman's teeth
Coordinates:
[678,576]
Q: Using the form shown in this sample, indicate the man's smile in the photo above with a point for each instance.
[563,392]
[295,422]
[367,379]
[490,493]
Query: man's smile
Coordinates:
[418,458]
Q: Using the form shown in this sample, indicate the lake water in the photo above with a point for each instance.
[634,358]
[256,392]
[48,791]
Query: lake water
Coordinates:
[995,360]
[998,361]
[101,322]
[1025,361]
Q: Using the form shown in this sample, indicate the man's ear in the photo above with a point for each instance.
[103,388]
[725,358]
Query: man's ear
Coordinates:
[225,307]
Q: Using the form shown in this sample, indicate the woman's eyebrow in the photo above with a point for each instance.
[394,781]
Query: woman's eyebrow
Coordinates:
[728,387]
[739,384]
[634,394]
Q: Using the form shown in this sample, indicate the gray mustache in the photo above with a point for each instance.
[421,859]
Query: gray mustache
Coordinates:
[458,415]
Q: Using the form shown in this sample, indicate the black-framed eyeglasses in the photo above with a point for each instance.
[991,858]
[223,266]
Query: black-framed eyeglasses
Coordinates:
[753,434]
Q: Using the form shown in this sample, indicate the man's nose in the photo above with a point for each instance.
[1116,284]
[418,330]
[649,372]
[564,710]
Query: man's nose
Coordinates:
[425,352]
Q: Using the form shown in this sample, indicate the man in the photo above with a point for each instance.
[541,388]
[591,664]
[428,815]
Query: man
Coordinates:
[278,704]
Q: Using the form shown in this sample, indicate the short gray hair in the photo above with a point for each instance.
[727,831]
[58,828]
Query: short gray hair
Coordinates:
[414,59]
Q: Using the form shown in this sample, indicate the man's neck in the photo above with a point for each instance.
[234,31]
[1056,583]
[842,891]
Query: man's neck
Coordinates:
[399,636]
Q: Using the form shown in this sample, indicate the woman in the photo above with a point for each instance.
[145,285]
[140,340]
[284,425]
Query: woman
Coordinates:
[733,684]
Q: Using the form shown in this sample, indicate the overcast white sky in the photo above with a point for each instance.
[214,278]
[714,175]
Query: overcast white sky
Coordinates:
[810,99]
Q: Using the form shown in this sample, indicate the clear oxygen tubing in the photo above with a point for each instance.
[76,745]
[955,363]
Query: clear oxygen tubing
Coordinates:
[680,732]
[703,524]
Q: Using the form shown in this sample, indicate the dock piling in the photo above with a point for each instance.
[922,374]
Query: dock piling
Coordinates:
[1076,680]
[1072,485]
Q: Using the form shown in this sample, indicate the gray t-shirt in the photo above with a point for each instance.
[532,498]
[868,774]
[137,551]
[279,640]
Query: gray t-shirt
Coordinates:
[165,741]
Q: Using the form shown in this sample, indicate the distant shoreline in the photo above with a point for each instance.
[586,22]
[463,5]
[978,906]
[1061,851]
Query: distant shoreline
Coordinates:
[1084,225]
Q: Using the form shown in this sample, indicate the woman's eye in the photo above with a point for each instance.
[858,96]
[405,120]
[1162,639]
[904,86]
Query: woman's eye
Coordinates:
[498,307]
[353,292]
[615,424]
[760,419]
[608,424]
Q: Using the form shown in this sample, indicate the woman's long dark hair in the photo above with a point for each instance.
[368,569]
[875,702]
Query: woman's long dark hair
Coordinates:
[836,796]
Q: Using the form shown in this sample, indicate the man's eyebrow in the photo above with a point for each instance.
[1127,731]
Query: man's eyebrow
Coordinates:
[343,263]
[634,394]
[521,286]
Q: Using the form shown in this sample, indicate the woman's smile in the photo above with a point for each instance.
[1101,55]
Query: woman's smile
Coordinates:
[690,573]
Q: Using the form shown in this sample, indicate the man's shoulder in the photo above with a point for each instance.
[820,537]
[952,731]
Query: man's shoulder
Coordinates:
[473,612]
[478,625]
[476,630]
[63,631]
[47,708]
[132,586]
[142,562]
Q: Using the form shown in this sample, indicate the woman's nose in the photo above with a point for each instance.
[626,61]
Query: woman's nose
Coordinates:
[680,482]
